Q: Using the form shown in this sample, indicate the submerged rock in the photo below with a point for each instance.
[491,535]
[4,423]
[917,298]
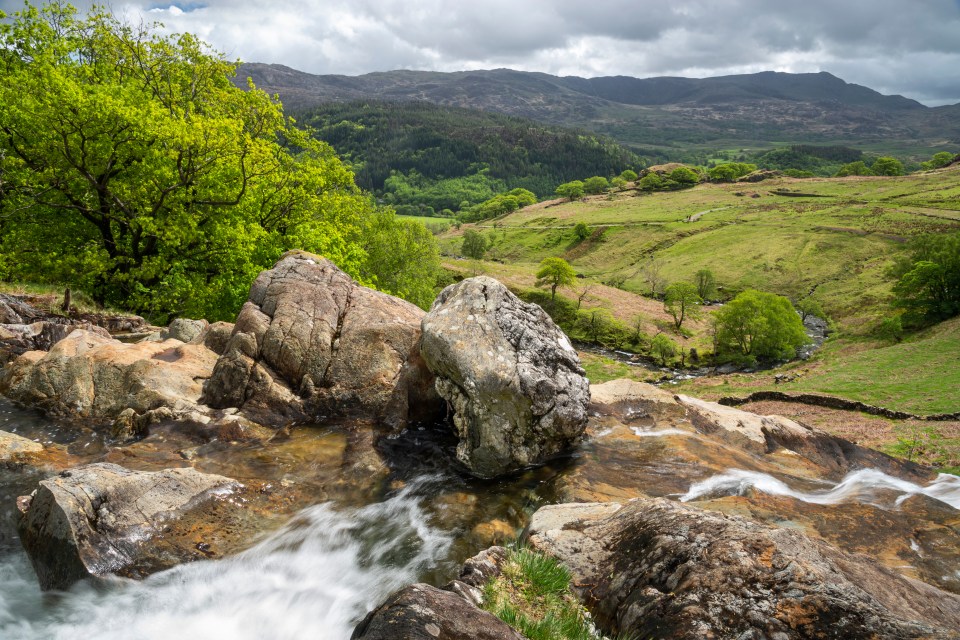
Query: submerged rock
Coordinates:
[102,518]
[510,375]
[655,568]
[311,343]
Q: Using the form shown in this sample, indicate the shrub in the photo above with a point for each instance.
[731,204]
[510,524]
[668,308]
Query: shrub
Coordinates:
[757,325]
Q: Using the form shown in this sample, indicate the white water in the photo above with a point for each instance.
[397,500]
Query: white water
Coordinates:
[859,486]
[650,433]
[314,580]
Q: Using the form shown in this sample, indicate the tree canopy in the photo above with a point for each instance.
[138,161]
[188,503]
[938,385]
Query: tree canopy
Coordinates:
[928,286]
[757,325]
[682,301]
[133,168]
[553,273]
[573,190]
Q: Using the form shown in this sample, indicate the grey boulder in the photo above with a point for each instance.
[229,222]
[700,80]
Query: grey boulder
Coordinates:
[509,374]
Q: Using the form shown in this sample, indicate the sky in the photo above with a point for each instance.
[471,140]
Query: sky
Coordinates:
[907,47]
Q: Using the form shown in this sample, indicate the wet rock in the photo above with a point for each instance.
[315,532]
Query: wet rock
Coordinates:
[15,449]
[104,519]
[88,375]
[422,612]
[510,375]
[629,399]
[311,343]
[655,568]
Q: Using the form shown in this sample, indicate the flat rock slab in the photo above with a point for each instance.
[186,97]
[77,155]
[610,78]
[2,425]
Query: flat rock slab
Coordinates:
[104,519]
[510,375]
[14,448]
[655,568]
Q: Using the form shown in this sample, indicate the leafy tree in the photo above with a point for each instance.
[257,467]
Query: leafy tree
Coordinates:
[134,169]
[809,306]
[684,176]
[887,166]
[582,231]
[682,301]
[706,284]
[858,168]
[595,323]
[573,190]
[928,286]
[730,171]
[628,175]
[757,325]
[652,271]
[618,183]
[553,273]
[651,182]
[596,184]
[474,245]
[941,159]
[663,347]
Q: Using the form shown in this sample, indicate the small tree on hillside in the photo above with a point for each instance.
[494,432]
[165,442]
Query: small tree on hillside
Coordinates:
[596,184]
[684,176]
[858,168]
[887,166]
[553,273]
[628,175]
[663,347]
[758,325]
[652,271]
[582,231]
[651,182]
[682,301]
[938,160]
[706,284]
[474,245]
[572,190]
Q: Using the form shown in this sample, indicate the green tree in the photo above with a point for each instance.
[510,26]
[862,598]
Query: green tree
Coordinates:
[134,169]
[651,182]
[628,175]
[887,166]
[474,245]
[663,347]
[730,171]
[582,231]
[553,273]
[682,301]
[706,284]
[572,190]
[596,184]
[858,168]
[928,286]
[941,159]
[757,325]
[809,306]
[684,176]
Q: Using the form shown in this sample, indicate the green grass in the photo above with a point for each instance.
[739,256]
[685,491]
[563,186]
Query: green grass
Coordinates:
[50,297]
[533,596]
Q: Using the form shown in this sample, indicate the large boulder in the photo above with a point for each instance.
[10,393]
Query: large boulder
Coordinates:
[15,449]
[104,519]
[88,375]
[655,568]
[311,343]
[510,375]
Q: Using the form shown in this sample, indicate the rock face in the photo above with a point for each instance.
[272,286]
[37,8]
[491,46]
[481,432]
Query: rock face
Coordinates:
[102,518]
[514,382]
[14,449]
[311,343]
[87,375]
[655,568]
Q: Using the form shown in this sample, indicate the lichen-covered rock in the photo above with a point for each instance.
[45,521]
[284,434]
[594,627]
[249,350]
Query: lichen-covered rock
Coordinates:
[311,343]
[655,568]
[88,375]
[104,519]
[16,449]
[17,339]
[510,375]
[422,612]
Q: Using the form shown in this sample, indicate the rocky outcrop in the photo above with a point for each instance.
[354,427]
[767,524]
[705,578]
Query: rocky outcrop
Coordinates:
[88,375]
[312,343]
[511,377]
[655,568]
[104,519]
[16,449]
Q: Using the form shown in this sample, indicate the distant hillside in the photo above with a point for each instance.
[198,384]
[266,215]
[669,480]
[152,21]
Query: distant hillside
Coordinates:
[417,153]
[651,113]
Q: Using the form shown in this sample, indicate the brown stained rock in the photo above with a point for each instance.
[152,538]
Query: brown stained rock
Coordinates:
[422,612]
[15,450]
[88,375]
[104,519]
[512,379]
[311,343]
[655,568]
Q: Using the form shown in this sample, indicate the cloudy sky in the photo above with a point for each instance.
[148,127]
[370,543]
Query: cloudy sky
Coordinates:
[910,47]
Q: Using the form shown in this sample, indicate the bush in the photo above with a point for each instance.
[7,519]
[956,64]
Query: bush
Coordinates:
[582,231]
[596,184]
[758,326]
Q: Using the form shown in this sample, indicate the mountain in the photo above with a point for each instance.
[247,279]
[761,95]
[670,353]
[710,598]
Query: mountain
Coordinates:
[651,113]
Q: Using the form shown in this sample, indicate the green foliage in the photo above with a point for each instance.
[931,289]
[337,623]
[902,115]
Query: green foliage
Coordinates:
[582,231]
[685,176]
[573,190]
[682,301]
[553,273]
[663,348]
[730,171]
[887,166]
[499,205]
[938,160]
[928,286]
[651,182]
[413,189]
[810,306]
[706,284]
[858,168]
[401,257]
[134,169]
[800,161]
[757,325]
[474,245]
[628,175]
[596,184]
[890,328]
